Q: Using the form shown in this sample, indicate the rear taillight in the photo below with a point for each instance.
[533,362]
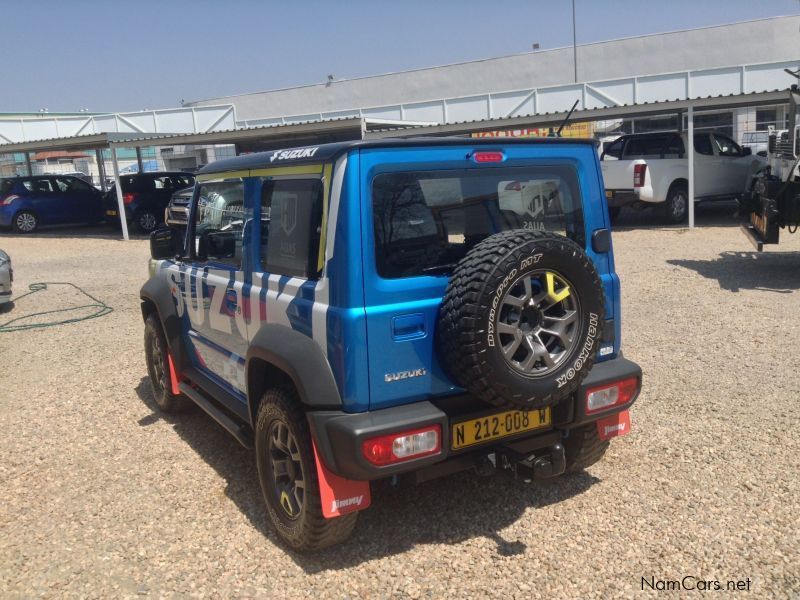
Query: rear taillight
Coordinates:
[514,186]
[488,157]
[403,445]
[639,172]
[607,395]
[8,199]
[128,197]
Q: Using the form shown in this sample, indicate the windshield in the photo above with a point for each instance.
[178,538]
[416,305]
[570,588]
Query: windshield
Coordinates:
[426,221]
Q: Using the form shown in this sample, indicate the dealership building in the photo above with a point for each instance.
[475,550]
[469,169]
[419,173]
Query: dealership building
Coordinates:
[706,62]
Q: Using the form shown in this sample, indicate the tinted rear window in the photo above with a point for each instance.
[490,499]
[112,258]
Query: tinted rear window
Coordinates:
[6,185]
[654,145]
[426,221]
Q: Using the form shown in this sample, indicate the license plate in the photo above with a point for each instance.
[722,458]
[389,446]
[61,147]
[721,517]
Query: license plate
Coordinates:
[609,194]
[497,426]
[111,213]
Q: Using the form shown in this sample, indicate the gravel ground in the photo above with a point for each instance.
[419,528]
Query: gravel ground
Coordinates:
[102,496]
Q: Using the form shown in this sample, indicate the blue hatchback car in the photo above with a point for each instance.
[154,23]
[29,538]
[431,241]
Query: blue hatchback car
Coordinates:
[26,203]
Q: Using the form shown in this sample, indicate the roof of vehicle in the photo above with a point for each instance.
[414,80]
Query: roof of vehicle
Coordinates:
[157,174]
[327,152]
[43,175]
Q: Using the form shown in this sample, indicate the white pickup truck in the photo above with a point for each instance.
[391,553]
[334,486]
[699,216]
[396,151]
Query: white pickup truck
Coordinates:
[652,168]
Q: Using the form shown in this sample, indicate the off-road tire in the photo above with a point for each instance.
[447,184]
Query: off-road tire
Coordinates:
[155,352]
[469,349]
[27,217]
[676,207]
[583,448]
[310,530]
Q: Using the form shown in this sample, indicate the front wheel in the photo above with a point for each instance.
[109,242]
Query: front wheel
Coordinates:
[288,476]
[155,352]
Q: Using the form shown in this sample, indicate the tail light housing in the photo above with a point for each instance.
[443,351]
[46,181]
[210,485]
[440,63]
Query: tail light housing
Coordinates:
[128,197]
[403,445]
[6,200]
[609,395]
[488,157]
[639,171]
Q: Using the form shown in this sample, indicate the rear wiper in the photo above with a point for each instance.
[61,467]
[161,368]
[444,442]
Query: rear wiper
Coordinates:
[440,269]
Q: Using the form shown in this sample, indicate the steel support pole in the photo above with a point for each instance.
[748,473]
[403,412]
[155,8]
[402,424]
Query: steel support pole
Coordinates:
[139,159]
[118,187]
[574,43]
[101,169]
[690,158]
[28,163]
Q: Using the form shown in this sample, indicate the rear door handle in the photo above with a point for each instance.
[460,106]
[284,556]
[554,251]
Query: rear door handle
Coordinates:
[408,327]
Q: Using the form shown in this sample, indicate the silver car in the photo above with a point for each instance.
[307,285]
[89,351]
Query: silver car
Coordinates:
[6,277]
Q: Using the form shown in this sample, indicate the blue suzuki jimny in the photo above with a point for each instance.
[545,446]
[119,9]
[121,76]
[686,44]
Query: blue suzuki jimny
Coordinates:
[372,309]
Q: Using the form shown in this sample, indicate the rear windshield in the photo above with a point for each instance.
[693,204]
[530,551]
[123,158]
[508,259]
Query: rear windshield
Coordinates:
[426,221]
[654,145]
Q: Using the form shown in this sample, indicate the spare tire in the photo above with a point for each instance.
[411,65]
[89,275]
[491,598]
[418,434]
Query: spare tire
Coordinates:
[522,319]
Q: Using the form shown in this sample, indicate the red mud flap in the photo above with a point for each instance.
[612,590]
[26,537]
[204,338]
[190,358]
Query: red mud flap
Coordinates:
[340,496]
[174,378]
[614,425]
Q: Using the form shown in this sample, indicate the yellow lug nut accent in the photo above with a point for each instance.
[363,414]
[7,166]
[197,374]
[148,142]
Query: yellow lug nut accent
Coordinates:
[286,504]
[551,289]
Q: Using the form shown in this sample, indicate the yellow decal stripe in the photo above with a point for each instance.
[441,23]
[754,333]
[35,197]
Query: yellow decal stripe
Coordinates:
[278,171]
[551,289]
[221,176]
[326,186]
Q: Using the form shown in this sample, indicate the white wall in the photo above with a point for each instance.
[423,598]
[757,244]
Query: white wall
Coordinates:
[768,40]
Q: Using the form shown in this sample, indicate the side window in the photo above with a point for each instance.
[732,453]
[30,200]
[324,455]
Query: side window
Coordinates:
[41,185]
[291,221]
[702,144]
[674,147]
[68,184]
[614,149]
[219,222]
[726,146]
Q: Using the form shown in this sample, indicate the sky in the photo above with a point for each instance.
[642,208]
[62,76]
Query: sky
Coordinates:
[116,56]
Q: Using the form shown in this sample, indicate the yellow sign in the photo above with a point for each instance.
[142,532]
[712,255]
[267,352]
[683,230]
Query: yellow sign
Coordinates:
[583,130]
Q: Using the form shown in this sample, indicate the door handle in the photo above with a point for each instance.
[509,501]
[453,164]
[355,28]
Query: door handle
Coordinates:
[408,327]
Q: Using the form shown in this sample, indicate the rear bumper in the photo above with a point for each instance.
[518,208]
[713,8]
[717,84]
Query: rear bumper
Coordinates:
[339,435]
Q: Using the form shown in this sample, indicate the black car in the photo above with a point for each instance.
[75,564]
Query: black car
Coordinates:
[177,212]
[145,196]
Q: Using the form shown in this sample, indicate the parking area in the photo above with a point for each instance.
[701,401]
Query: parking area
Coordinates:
[103,496]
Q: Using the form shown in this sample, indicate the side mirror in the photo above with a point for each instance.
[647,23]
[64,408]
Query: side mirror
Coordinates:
[216,244]
[747,151]
[163,244]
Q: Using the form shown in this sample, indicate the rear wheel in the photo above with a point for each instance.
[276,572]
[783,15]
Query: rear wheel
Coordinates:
[288,476]
[583,448]
[155,352]
[676,207]
[25,222]
[146,221]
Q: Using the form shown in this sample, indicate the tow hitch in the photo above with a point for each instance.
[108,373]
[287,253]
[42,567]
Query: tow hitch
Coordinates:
[546,463]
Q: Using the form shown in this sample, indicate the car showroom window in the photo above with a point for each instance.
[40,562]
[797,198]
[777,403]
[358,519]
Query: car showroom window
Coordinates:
[291,222]
[426,221]
[219,222]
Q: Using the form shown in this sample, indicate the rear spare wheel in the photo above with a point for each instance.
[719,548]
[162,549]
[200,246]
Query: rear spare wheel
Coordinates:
[522,319]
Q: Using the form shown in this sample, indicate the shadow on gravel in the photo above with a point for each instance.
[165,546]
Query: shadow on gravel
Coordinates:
[706,214]
[444,511]
[766,271]
[99,232]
